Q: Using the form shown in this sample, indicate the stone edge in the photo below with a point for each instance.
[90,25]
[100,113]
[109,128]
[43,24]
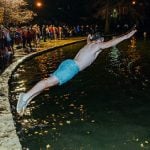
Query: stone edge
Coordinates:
[8,136]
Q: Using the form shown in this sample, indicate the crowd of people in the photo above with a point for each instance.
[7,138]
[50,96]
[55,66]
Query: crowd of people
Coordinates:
[29,37]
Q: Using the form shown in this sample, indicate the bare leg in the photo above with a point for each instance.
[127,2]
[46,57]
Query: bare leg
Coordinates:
[25,98]
[40,86]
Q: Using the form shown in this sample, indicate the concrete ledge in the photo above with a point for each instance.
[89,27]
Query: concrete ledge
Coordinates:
[8,136]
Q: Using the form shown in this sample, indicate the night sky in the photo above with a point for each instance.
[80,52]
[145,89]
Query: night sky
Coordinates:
[64,10]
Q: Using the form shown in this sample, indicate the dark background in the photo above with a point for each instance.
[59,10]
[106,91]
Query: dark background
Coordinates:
[83,12]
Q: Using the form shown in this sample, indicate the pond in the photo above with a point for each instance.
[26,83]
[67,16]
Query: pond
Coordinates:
[104,107]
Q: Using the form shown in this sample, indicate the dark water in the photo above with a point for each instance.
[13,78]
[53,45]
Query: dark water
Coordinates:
[105,107]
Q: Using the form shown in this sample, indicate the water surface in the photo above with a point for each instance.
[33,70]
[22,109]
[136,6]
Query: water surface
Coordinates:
[105,107]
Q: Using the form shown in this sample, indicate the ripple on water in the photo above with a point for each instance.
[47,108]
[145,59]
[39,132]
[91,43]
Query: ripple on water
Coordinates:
[104,107]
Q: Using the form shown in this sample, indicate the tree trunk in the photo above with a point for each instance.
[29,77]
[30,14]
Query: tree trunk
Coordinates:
[107,21]
[107,18]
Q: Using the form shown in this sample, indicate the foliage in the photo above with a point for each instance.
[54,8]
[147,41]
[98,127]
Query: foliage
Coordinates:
[125,11]
[15,11]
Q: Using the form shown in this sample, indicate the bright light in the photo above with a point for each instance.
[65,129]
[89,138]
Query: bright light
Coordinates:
[133,2]
[39,4]
[114,10]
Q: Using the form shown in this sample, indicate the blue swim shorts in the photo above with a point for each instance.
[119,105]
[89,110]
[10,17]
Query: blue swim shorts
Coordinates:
[66,71]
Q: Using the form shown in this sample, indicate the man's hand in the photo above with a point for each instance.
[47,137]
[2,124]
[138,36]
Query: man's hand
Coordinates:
[128,35]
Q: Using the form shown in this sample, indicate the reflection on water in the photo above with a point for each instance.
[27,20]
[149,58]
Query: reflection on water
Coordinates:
[104,107]
[127,62]
[114,56]
[44,62]
[119,60]
[133,56]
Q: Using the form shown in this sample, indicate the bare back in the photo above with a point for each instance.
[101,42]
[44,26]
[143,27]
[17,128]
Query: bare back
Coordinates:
[87,55]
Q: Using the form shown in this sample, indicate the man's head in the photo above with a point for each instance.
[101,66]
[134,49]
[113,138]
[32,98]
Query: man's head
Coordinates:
[97,37]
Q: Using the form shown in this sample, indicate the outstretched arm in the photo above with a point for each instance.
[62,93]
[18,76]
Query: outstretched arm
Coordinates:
[117,40]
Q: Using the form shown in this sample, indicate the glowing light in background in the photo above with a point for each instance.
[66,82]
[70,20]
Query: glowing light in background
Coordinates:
[39,4]
[133,2]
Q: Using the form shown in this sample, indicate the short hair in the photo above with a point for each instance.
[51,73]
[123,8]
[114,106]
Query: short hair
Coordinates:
[96,36]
